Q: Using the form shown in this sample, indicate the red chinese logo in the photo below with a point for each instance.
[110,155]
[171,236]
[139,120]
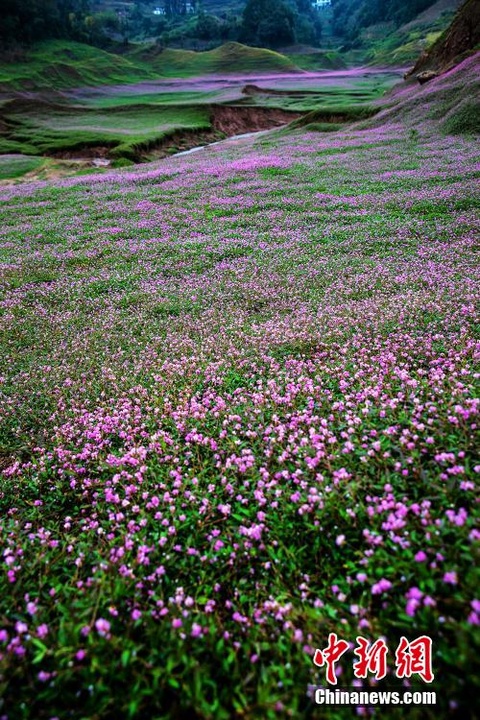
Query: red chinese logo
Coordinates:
[332,653]
[414,658]
[373,658]
[411,658]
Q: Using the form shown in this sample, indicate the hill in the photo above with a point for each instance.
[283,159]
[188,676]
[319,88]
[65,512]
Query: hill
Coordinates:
[461,38]
[62,64]
[231,57]
[403,45]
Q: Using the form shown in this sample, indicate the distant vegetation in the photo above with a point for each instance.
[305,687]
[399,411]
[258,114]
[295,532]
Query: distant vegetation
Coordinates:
[23,22]
[350,17]
[190,24]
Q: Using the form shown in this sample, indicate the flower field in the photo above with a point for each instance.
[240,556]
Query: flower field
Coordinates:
[238,413]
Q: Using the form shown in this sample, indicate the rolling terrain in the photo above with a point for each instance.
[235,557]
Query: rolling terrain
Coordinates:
[239,403]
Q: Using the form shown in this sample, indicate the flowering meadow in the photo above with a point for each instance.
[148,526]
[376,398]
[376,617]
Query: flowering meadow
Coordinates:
[238,413]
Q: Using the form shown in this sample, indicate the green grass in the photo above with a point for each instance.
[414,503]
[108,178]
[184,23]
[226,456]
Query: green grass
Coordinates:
[45,129]
[404,45]
[60,64]
[229,58]
[13,166]
[126,98]
[332,115]
[463,120]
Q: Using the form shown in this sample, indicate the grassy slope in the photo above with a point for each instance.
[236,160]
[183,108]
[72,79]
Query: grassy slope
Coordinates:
[237,414]
[318,60]
[57,65]
[454,106]
[229,58]
[13,166]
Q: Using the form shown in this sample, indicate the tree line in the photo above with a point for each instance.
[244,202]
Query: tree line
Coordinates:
[263,23]
[26,21]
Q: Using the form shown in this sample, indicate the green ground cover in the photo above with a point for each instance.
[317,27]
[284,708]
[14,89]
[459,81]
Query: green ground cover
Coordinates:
[126,131]
[12,166]
[127,121]
[229,58]
[60,64]
[239,412]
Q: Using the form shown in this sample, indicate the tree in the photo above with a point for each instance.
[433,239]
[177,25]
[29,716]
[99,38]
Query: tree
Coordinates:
[26,21]
[268,23]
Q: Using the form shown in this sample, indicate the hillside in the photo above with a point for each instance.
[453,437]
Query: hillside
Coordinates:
[237,414]
[449,102]
[231,57]
[443,87]
[405,44]
[61,64]
[459,39]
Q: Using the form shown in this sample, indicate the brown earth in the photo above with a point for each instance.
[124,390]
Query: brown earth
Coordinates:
[82,153]
[235,120]
[226,121]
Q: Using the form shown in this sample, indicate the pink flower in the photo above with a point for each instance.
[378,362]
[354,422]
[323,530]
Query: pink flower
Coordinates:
[31,608]
[411,607]
[103,627]
[420,556]
[44,676]
[42,631]
[414,593]
[177,623]
[382,586]
[450,578]
[196,630]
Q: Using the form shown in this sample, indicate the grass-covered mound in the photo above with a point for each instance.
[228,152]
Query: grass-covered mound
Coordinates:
[237,413]
[60,64]
[315,59]
[229,58]
[332,116]
[12,166]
